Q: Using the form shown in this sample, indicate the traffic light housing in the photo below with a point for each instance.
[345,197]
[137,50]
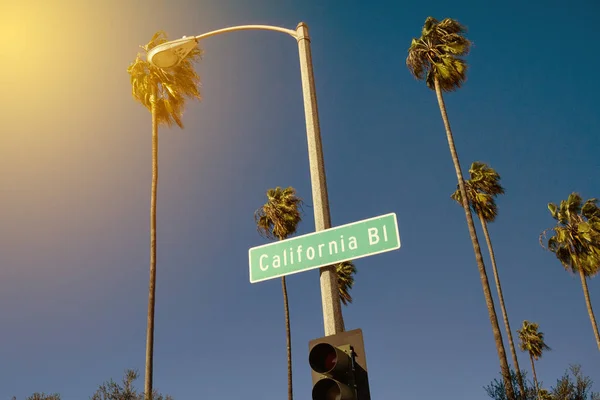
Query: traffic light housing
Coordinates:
[339,367]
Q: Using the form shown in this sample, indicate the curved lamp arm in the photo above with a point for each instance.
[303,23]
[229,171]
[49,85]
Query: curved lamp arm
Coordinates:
[246,28]
[170,54]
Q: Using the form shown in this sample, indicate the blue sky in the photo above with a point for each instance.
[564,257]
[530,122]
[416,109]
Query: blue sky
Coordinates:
[75,185]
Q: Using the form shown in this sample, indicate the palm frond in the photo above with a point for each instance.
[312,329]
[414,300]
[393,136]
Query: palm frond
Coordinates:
[485,179]
[449,26]
[345,273]
[590,209]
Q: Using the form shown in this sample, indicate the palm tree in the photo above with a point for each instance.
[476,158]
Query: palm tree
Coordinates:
[436,58]
[532,341]
[483,186]
[278,219]
[164,94]
[576,242]
[345,273]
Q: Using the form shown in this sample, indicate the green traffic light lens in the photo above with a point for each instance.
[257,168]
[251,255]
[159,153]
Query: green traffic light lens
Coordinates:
[326,389]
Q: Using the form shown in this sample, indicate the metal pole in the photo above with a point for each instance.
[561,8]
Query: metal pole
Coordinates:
[332,310]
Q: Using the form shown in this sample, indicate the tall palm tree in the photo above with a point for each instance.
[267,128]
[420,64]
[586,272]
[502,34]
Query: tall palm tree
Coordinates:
[532,341]
[576,242]
[278,219]
[483,186]
[164,94]
[436,58]
[345,273]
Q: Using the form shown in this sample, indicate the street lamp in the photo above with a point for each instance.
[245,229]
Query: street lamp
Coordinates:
[171,53]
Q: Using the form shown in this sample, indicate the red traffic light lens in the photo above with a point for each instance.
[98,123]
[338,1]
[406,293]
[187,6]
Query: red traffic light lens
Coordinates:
[323,358]
[330,361]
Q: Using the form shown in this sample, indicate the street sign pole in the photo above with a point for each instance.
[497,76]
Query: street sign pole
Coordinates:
[333,320]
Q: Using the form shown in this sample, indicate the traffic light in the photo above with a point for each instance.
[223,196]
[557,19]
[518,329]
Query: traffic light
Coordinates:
[339,367]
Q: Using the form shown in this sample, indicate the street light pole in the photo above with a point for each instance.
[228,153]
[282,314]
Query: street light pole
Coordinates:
[171,53]
[332,309]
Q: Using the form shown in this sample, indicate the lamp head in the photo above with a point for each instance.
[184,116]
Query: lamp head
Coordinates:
[170,54]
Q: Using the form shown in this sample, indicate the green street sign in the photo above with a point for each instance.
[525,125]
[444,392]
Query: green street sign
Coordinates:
[319,249]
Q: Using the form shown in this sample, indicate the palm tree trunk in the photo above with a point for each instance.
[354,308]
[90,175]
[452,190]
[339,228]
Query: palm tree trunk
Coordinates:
[152,286]
[535,381]
[502,305]
[588,303]
[478,257]
[288,336]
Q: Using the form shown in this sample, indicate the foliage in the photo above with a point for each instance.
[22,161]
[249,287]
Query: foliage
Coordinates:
[544,394]
[573,385]
[345,273]
[113,391]
[110,390]
[497,391]
[576,239]
[42,396]
[532,340]
[481,188]
[278,218]
[438,52]
[173,85]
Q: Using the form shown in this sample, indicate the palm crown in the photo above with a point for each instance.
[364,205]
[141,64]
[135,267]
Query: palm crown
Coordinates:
[482,188]
[437,54]
[576,239]
[532,340]
[172,86]
[278,218]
